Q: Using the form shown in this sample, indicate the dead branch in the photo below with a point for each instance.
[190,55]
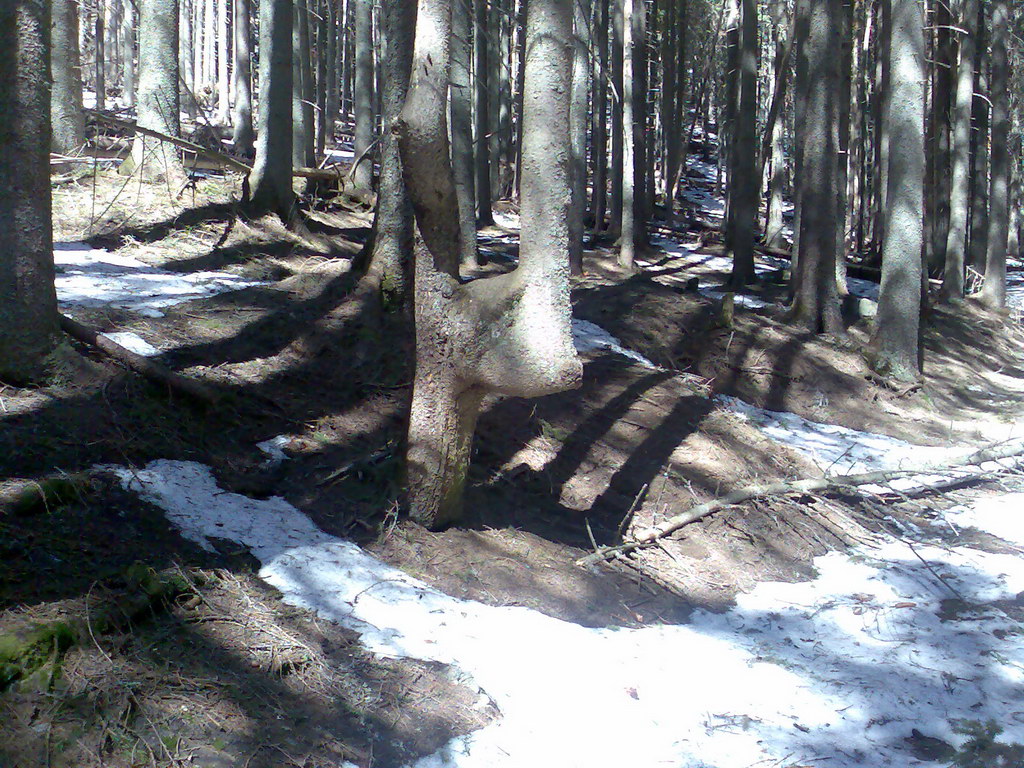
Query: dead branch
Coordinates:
[650,536]
[143,365]
[317,174]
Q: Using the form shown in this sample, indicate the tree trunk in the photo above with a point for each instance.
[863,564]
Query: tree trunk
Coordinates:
[128,52]
[815,300]
[460,101]
[578,132]
[159,106]
[68,121]
[618,135]
[302,91]
[994,290]
[628,227]
[980,150]
[599,131]
[332,110]
[744,179]
[390,259]
[99,66]
[481,114]
[270,183]
[241,116]
[28,303]
[363,91]
[508,334]
[223,88]
[959,200]
[940,136]
[895,344]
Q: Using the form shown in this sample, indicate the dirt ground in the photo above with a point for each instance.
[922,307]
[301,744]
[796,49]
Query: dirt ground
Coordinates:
[218,671]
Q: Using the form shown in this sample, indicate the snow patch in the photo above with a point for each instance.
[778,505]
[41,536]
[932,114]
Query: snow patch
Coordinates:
[92,277]
[588,337]
[836,671]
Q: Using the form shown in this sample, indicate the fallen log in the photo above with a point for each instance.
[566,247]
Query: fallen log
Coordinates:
[151,369]
[652,535]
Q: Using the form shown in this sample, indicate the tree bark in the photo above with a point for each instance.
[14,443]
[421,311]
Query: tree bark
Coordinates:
[599,131]
[994,290]
[302,91]
[959,200]
[980,150]
[744,179]
[481,115]
[241,116]
[363,90]
[28,301]
[99,66]
[223,84]
[270,183]
[460,103]
[940,135]
[815,300]
[68,121]
[578,131]
[159,106]
[629,225]
[895,345]
[128,52]
[508,334]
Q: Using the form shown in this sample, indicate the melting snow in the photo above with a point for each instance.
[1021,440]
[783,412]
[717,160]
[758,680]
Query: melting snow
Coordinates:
[588,337]
[837,670]
[91,277]
[133,343]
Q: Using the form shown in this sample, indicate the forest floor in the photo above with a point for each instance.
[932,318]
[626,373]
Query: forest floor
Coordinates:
[214,669]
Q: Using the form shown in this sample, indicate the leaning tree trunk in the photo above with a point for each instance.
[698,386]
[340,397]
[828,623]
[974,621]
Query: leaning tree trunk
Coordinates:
[270,183]
[994,291]
[68,120]
[158,101]
[28,303]
[959,201]
[241,115]
[895,345]
[508,334]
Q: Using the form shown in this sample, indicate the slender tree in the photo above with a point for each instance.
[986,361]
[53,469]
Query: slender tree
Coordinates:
[895,344]
[241,114]
[994,289]
[28,302]
[744,179]
[481,115]
[959,201]
[363,91]
[461,103]
[815,299]
[270,183]
[68,121]
[158,101]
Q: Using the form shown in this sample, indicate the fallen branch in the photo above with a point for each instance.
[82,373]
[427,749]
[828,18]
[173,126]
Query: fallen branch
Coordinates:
[650,536]
[317,174]
[136,362]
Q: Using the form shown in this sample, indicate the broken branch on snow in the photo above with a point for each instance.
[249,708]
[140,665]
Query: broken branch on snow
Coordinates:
[652,535]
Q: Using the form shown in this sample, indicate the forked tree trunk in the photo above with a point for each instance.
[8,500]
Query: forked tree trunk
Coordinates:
[66,114]
[508,334]
[28,303]
[270,183]
[895,345]
[994,291]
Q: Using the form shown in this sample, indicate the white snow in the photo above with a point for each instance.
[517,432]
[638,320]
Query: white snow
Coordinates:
[92,277]
[588,337]
[133,343]
[835,671]
[274,448]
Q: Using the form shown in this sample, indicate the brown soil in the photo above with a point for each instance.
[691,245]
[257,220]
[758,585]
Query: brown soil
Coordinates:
[226,674]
